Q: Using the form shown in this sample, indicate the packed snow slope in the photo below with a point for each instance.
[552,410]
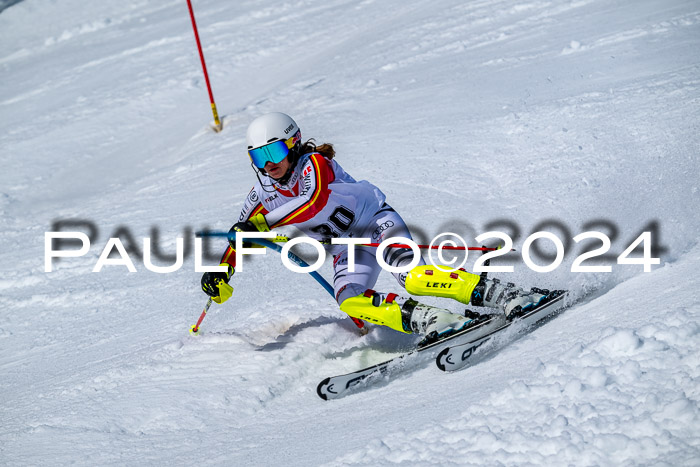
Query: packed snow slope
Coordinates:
[471,116]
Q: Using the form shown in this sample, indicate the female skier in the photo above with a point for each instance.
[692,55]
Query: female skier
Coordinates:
[303,185]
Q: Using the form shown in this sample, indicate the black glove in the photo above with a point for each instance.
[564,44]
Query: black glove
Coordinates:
[246,226]
[211,282]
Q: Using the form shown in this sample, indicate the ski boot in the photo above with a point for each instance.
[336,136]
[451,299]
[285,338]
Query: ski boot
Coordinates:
[434,323]
[476,289]
[405,315]
[514,301]
[476,316]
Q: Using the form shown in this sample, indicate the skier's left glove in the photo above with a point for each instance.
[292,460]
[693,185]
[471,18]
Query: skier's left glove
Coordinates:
[256,223]
[215,284]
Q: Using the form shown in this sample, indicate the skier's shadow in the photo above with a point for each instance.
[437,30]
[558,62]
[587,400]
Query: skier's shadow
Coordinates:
[288,336]
[382,339]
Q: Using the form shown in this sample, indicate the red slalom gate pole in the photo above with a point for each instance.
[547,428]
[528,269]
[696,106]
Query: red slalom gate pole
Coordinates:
[218,126]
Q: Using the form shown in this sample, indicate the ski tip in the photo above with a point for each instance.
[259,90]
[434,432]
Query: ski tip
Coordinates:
[320,387]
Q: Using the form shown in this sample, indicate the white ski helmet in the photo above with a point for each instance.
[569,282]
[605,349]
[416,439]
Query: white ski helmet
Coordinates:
[271,137]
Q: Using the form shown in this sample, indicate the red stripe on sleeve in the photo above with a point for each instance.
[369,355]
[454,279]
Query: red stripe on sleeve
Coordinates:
[229,256]
[323,174]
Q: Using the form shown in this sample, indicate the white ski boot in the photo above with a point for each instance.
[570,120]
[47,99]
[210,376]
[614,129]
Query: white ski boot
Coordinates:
[434,323]
[514,301]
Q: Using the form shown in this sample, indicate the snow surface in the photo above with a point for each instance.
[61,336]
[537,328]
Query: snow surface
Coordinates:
[466,114]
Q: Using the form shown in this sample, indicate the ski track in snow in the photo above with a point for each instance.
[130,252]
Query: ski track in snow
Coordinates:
[465,114]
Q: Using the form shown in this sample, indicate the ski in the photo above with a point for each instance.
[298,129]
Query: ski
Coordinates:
[335,387]
[454,357]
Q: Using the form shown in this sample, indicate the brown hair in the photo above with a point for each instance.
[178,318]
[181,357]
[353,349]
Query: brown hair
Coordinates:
[325,149]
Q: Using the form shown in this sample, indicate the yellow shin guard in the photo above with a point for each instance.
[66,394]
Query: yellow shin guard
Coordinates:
[386,314]
[429,280]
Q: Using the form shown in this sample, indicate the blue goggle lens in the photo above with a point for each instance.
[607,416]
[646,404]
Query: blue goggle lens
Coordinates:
[273,152]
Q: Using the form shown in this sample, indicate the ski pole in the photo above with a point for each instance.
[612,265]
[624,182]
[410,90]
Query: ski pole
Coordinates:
[218,126]
[195,329]
[284,239]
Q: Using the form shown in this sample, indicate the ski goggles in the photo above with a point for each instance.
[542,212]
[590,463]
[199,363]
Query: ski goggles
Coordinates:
[274,152]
